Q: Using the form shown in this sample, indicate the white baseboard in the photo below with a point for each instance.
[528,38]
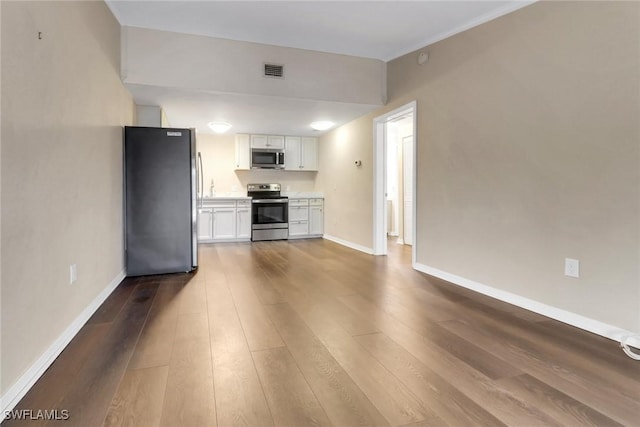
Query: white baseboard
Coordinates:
[10,399]
[573,319]
[348,244]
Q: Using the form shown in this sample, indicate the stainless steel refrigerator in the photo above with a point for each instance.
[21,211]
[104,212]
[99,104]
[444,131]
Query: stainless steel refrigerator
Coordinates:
[161,180]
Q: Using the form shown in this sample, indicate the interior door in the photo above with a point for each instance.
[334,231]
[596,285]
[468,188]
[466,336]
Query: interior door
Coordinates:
[407,180]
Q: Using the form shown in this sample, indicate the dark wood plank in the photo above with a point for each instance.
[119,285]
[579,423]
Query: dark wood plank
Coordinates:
[580,385]
[89,397]
[240,400]
[343,401]
[257,327]
[110,308]
[56,382]
[558,405]
[601,350]
[189,399]
[156,339]
[291,400]
[192,296]
[478,387]
[396,403]
[447,402]
[138,401]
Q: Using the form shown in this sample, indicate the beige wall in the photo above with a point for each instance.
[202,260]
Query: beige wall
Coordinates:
[195,64]
[218,157]
[63,106]
[528,152]
[347,188]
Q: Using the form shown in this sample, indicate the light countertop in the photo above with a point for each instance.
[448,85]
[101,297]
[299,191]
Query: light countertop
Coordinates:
[289,194]
[227,196]
[303,195]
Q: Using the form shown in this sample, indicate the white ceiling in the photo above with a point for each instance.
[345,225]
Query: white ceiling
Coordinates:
[374,29]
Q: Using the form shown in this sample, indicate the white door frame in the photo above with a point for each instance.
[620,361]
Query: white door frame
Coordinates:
[380,174]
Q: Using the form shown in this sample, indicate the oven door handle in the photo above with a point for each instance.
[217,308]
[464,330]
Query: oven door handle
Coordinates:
[270,201]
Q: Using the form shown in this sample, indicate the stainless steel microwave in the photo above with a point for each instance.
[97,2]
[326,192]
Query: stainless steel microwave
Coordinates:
[264,158]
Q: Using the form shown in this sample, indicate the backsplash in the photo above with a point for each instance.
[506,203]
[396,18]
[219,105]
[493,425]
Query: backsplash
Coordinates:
[218,158]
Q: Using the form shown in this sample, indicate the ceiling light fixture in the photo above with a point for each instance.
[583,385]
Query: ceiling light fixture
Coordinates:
[322,125]
[219,127]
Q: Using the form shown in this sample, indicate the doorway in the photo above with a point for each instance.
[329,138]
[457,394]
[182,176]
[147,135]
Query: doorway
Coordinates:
[395,179]
[399,179]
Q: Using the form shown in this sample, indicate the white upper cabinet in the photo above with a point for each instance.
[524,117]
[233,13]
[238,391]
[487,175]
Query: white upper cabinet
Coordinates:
[267,141]
[301,153]
[309,153]
[243,152]
[292,153]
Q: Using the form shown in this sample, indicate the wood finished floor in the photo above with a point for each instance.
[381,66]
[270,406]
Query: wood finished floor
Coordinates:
[310,333]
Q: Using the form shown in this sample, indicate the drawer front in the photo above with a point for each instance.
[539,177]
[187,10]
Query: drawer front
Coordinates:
[244,203]
[224,204]
[298,202]
[316,202]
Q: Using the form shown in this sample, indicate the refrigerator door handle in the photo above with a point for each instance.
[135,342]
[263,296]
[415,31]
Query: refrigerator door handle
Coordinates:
[201,176]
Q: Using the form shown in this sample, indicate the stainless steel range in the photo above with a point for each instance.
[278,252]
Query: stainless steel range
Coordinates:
[269,212]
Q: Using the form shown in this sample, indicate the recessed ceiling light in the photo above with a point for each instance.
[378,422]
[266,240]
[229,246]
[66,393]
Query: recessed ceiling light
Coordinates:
[322,125]
[219,127]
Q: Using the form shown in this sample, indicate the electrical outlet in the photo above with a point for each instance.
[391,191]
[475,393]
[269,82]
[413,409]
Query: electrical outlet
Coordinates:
[572,267]
[73,273]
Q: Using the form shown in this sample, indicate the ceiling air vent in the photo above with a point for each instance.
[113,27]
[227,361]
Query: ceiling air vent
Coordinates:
[273,70]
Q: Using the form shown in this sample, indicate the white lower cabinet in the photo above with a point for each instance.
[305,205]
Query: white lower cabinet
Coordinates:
[229,220]
[306,218]
[298,229]
[243,221]
[205,224]
[316,220]
[224,221]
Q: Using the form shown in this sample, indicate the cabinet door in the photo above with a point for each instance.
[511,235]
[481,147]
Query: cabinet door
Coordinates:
[298,213]
[205,229]
[316,220]
[309,154]
[292,153]
[275,141]
[298,228]
[243,152]
[224,223]
[243,223]
[259,141]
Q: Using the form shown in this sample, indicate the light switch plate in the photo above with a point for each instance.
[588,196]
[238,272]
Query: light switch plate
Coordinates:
[571,267]
[73,273]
